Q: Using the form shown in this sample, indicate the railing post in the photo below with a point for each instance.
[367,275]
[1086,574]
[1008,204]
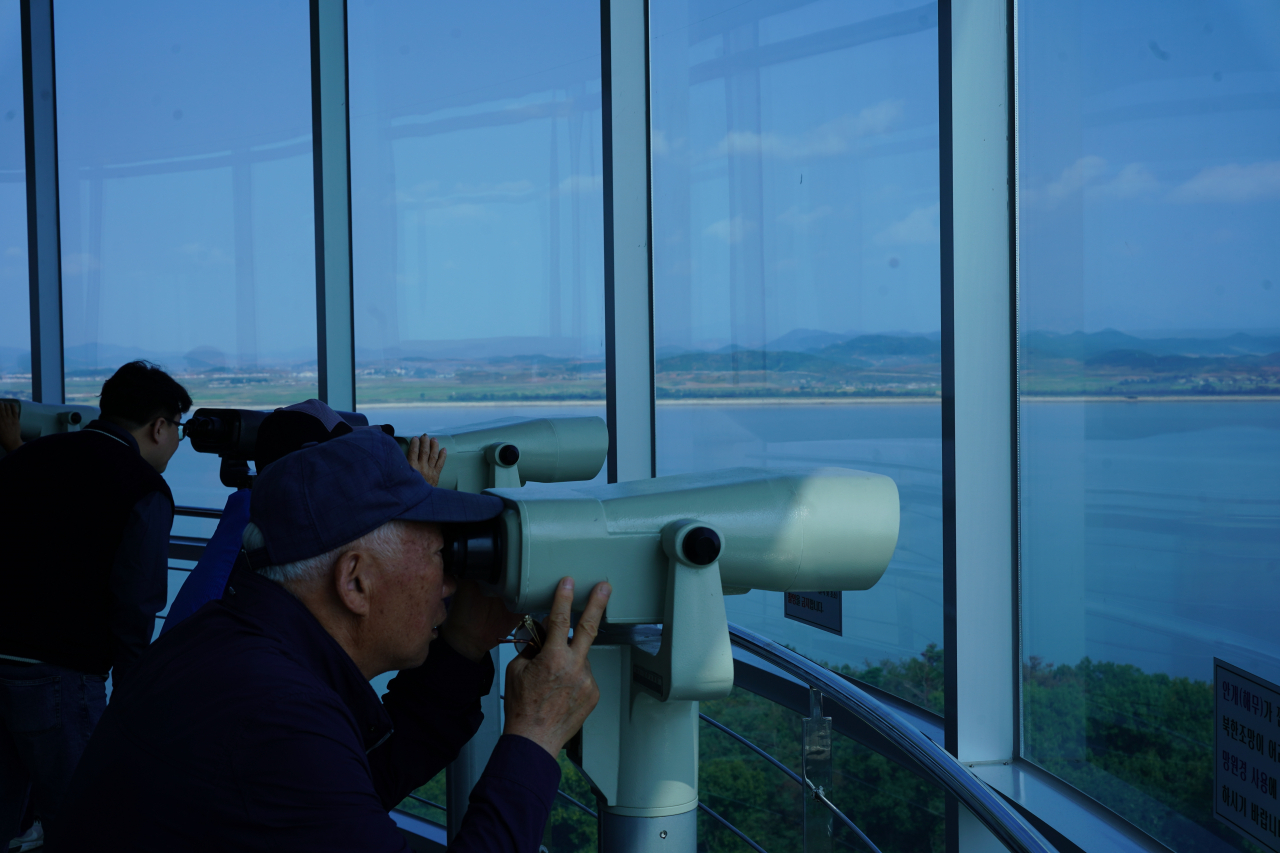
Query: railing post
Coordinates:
[815,764]
[331,143]
[44,252]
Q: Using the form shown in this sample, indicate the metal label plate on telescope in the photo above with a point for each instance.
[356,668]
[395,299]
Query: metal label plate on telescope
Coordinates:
[823,610]
[1246,755]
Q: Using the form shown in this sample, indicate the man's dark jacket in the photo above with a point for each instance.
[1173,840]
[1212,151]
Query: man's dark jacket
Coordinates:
[247,727]
[85,521]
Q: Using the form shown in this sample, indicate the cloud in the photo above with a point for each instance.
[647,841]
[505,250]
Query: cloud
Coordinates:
[78,263]
[1134,180]
[919,226]
[658,143]
[1074,178]
[581,184]
[429,195]
[730,230]
[1232,183]
[825,140]
[199,252]
[1086,175]
[792,215]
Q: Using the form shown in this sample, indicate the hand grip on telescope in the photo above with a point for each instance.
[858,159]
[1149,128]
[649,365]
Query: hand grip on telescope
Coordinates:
[695,660]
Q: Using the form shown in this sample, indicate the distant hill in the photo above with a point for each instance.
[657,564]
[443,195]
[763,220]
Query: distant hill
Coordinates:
[1082,346]
[756,360]
[882,346]
[807,340]
[1131,359]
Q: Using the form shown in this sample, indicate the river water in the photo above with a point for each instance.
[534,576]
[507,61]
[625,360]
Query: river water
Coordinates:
[1150,530]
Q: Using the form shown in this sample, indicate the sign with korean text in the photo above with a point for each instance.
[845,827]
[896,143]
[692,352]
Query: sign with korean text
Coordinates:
[1246,753]
[823,610]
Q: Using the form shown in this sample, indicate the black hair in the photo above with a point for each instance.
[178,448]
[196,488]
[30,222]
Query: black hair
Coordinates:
[139,392]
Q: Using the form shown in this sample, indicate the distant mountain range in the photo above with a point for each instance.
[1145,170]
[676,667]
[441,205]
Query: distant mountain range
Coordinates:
[1081,346]
[803,362]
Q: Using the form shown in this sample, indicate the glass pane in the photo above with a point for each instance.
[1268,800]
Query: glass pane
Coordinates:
[897,809]
[185,173]
[476,210]
[1149,179]
[796,278]
[15,324]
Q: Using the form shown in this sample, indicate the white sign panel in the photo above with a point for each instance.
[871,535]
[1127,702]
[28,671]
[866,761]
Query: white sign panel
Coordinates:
[1246,753]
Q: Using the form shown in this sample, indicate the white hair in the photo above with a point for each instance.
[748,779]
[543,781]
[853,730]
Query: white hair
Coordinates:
[384,541]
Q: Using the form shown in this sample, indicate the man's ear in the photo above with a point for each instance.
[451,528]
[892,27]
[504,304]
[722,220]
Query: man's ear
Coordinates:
[153,430]
[353,582]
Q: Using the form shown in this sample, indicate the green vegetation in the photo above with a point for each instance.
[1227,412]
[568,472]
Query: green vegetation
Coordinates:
[433,791]
[1140,743]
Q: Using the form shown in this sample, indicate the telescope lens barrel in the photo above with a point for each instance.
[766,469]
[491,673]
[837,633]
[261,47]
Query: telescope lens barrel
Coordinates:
[509,455]
[207,429]
[701,546]
[475,551]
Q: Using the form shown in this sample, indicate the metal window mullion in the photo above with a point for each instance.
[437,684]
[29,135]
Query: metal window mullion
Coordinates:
[44,255]
[628,257]
[331,144]
[979,390]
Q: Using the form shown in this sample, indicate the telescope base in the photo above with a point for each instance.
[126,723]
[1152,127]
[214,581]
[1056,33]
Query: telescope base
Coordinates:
[677,833]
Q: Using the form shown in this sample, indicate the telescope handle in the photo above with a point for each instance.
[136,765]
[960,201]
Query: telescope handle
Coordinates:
[695,660]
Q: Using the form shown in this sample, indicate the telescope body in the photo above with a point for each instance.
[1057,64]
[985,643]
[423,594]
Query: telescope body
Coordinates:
[819,529]
[38,419]
[550,450]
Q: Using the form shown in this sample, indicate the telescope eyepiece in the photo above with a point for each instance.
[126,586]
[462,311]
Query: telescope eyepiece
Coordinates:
[508,454]
[474,551]
[701,546]
[207,428]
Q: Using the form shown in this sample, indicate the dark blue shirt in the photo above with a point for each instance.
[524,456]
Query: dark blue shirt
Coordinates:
[247,727]
[82,588]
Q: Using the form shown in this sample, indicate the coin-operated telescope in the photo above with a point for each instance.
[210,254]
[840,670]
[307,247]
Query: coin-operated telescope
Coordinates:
[507,452]
[513,451]
[672,548]
[37,419]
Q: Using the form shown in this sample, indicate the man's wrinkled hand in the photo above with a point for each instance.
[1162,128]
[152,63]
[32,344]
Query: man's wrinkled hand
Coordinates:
[548,697]
[427,458]
[476,622]
[10,427]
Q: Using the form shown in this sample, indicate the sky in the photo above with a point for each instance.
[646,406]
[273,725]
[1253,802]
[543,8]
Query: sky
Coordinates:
[794,170]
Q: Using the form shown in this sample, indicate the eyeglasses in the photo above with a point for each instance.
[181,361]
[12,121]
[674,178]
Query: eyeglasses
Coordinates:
[530,635]
[179,426]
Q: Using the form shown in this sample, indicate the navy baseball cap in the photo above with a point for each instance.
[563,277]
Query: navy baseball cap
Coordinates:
[319,498]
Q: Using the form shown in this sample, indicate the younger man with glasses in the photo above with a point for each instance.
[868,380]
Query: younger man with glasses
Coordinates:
[85,519]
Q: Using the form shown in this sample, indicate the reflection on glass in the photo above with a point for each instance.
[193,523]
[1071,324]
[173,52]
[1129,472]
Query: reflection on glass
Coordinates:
[476,204]
[1149,183]
[187,202]
[15,327]
[796,280]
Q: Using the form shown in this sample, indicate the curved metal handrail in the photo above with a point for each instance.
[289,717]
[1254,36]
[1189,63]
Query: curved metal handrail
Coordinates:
[938,764]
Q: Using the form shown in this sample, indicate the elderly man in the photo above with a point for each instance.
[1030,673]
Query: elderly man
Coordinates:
[252,725]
